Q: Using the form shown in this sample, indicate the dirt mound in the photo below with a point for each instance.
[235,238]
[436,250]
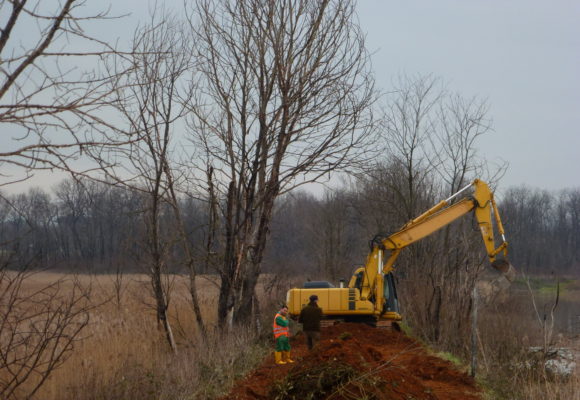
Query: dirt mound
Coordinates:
[356,361]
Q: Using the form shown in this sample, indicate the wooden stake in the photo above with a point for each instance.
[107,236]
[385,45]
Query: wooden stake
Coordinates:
[474,301]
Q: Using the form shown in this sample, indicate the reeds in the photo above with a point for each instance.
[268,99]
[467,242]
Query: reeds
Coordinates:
[124,356]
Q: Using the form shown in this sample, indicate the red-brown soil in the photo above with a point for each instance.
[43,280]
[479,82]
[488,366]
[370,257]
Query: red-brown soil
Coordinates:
[387,365]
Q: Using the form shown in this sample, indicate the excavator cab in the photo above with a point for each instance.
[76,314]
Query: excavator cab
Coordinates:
[391,302]
[358,279]
[390,299]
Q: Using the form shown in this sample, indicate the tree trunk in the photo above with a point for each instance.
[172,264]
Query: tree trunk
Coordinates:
[161,305]
[244,312]
[436,314]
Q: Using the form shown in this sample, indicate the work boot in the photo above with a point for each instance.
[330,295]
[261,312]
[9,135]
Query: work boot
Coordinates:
[287,356]
[278,357]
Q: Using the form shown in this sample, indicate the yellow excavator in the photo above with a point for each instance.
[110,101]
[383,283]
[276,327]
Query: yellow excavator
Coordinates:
[371,296]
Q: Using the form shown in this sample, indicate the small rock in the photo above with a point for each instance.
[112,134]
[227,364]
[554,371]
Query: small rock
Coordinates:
[560,368]
[559,362]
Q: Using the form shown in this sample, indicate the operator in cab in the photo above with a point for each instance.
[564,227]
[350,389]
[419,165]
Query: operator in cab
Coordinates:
[310,317]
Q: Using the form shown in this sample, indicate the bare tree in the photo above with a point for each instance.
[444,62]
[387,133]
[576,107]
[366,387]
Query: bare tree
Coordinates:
[294,242]
[407,129]
[50,110]
[546,325]
[431,137]
[529,213]
[74,198]
[333,239]
[39,326]
[573,204]
[152,99]
[285,98]
[460,123]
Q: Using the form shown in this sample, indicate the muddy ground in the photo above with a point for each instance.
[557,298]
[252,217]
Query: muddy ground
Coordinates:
[356,361]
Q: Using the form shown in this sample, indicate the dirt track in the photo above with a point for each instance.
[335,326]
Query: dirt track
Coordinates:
[353,360]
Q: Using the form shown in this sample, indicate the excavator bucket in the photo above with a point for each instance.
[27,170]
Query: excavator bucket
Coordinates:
[493,283]
[505,268]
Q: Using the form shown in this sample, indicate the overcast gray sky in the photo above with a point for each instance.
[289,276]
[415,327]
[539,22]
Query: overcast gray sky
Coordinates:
[522,56]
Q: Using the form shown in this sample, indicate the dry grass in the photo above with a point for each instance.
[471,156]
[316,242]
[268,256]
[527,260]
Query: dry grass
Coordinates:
[124,356]
[507,328]
[506,331]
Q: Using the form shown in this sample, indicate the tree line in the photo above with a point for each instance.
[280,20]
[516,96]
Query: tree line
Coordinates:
[90,227]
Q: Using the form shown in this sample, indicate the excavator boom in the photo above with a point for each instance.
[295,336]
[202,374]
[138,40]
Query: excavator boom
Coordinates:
[371,288]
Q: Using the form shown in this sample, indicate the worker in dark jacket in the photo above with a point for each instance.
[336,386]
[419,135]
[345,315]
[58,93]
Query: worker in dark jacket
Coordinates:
[310,317]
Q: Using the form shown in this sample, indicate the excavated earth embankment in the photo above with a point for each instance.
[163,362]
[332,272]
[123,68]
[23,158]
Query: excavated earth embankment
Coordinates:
[356,361]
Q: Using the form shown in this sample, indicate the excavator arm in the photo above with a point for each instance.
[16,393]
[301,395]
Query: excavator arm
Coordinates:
[481,203]
[371,293]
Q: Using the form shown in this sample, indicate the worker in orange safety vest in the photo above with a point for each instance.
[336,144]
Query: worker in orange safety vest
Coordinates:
[281,335]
